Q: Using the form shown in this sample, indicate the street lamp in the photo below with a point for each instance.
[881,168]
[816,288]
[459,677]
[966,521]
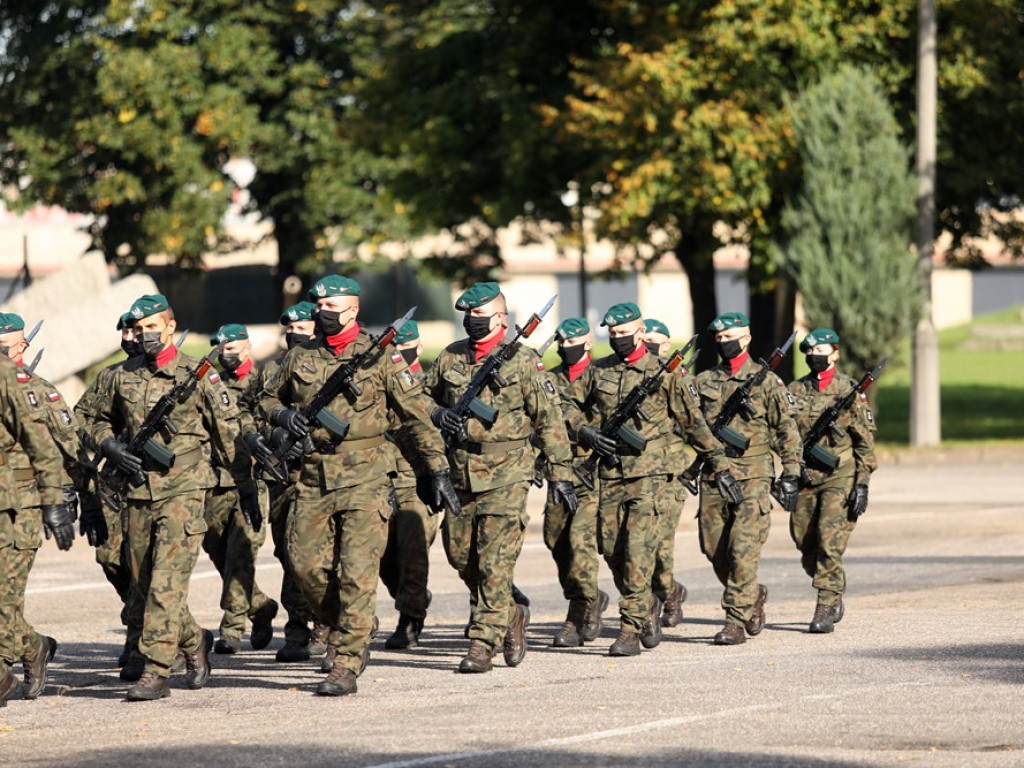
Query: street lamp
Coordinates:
[571,200]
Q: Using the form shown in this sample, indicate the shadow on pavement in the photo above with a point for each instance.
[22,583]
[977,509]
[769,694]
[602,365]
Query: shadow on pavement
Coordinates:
[996,662]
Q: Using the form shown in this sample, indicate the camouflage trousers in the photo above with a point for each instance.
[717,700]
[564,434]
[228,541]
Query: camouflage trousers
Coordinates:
[21,535]
[630,526]
[405,566]
[482,544]
[233,546]
[296,629]
[335,542]
[663,582]
[731,537]
[164,538]
[821,531]
[572,541]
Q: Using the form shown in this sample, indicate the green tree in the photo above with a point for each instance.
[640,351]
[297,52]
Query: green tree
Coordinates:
[851,225]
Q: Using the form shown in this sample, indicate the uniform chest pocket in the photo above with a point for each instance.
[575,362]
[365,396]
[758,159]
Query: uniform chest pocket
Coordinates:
[363,393]
[455,383]
[606,392]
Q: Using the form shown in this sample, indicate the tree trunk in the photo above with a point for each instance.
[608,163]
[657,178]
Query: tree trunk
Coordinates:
[294,244]
[695,253]
[772,317]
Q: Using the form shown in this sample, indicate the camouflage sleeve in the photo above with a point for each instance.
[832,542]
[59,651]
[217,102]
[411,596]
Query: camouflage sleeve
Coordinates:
[28,426]
[406,397]
[862,434]
[684,406]
[64,430]
[101,422]
[432,385]
[786,435]
[221,418]
[275,395]
[541,403]
[246,404]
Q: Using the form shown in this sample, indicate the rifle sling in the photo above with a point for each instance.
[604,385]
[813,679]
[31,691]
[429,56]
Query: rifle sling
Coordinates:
[501,446]
[328,448]
[181,461]
[752,451]
[24,474]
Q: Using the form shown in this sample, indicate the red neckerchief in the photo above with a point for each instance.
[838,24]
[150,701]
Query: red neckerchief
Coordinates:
[415,367]
[339,341]
[825,378]
[165,356]
[735,363]
[243,370]
[636,354]
[576,369]
[483,348]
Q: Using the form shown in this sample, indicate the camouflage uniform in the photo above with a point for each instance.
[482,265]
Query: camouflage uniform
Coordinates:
[31,476]
[337,528]
[492,473]
[164,516]
[819,525]
[663,582]
[731,536]
[638,494]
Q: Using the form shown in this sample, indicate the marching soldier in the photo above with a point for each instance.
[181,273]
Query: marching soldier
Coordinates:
[164,516]
[572,538]
[492,470]
[634,480]
[337,529]
[732,533]
[232,544]
[670,592]
[36,497]
[831,499]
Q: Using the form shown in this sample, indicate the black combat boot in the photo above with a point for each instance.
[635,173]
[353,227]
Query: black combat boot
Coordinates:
[514,647]
[627,644]
[263,625]
[132,671]
[839,611]
[651,635]
[340,682]
[478,659]
[406,634]
[149,688]
[672,612]
[228,645]
[731,634]
[823,621]
[592,619]
[755,623]
[35,671]
[197,665]
[8,683]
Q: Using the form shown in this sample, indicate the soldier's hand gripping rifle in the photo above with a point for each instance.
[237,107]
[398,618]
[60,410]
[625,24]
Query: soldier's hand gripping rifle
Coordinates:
[815,454]
[116,474]
[452,421]
[739,401]
[617,429]
[317,410]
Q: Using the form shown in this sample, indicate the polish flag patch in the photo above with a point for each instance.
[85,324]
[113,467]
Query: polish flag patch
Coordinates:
[214,377]
[23,376]
[540,365]
[396,357]
[53,397]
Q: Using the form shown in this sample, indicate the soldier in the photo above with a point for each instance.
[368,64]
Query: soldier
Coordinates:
[731,533]
[572,538]
[405,566]
[830,499]
[492,470]
[164,522]
[337,529]
[35,498]
[634,480]
[232,544]
[671,592]
[300,641]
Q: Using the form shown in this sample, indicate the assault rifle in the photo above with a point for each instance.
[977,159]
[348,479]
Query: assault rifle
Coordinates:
[114,477]
[317,410]
[617,425]
[35,361]
[817,455]
[738,401]
[32,334]
[489,375]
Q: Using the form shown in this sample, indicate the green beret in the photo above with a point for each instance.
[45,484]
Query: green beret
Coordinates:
[819,336]
[10,322]
[409,332]
[477,296]
[729,320]
[334,285]
[302,311]
[572,328]
[147,305]
[229,332]
[125,321]
[621,313]
[656,326]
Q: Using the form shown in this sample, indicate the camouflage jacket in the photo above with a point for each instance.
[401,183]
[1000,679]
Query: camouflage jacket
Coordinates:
[855,442]
[770,426]
[31,471]
[245,392]
[364,455]
[408,464]
[527,404]
[206,426]
[673,406]
[576,397]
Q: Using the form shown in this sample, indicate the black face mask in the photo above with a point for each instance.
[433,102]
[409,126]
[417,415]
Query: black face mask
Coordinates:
[409,355]
[131,348]
[817,363]
[152,344]
[654,349]
[5,351]
[230,360]
[572,355]
[327,322]
[623,346]
[294,339]
[730,349]
[477,327]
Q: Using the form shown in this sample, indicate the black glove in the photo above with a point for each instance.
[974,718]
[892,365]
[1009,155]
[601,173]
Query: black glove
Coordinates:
[250,505]
[70,501]
[93,526]
[729,487]
[299,448]
[857,504]
[117,452]
[785,490]
[563,491]
[444,493]
[57,524]
[591,437]
[445,420]
[293,421]
[258,448]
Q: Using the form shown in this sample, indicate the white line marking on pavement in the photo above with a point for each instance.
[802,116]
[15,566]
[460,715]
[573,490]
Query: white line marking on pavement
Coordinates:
[104,583]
